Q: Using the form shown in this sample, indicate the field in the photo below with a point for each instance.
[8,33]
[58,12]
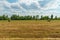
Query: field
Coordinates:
[30,29]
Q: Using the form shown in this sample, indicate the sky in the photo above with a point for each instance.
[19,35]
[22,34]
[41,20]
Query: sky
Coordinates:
[30,7]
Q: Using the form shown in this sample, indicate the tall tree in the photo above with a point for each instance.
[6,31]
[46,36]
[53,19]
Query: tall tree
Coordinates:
[14,17]
[5,17]
[55,18]
[34,18]
[37,17]
[45,18]
[41,17]
[51,17]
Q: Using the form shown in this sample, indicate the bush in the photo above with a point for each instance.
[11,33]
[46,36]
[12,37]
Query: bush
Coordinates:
[49,20]
[9,19]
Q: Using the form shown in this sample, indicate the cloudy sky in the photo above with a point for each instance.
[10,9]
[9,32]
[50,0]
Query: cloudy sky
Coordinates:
[30,7]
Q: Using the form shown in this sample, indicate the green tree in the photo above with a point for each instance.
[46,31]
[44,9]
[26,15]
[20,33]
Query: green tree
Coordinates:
[46,17]
[21,18]
[33,17]
[37,17]
[5,17]
[1,18]
[41,17]
[14,17]
[51,17]
[55,18]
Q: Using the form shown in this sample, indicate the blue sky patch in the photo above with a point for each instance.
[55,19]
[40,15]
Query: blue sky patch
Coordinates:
[12,1]
[43,3]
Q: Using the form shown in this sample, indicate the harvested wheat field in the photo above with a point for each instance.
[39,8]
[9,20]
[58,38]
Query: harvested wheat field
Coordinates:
[29,38]
[30,29]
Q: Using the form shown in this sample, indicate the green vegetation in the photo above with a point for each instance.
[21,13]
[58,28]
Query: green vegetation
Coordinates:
[37,17]
[51,17]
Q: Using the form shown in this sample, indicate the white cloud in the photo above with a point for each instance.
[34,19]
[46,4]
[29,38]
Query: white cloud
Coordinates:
[54,4]
[28,2]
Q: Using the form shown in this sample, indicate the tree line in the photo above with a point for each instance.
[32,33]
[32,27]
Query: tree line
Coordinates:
[37,17]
